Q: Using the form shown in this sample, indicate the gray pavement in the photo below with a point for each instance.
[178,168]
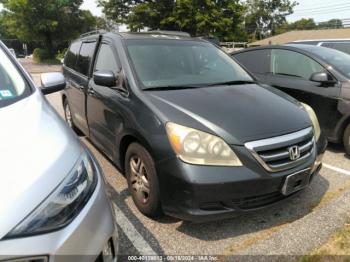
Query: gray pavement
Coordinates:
[294,227]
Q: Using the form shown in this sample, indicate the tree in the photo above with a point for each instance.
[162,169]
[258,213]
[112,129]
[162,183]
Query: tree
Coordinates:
[52,22]
[263,17]
[117,10]
[303,24]
[209,18]
[220,18]
[333,23]
[3,30]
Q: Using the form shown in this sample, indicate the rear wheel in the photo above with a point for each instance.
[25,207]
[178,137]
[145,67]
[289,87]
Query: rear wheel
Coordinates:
[346,140]
[142,180]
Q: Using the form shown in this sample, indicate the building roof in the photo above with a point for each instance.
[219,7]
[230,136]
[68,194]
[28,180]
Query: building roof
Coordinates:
[343,33]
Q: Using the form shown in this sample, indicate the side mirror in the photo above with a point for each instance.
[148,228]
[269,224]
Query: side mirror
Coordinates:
[105,78]
[323,78]
[52,82]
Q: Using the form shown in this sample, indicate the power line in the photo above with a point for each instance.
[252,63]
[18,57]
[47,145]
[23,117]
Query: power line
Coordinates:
[326,11]
[312,6]
[321,7]
[320,13]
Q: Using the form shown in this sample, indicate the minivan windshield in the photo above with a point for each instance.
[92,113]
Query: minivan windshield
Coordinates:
[12,84]
[183,63]
[337,59]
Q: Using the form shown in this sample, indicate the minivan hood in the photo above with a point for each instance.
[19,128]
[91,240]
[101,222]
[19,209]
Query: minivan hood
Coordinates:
[238,114]
[37,151]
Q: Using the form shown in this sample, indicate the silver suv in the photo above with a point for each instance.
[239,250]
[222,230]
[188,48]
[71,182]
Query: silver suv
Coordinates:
[52,193]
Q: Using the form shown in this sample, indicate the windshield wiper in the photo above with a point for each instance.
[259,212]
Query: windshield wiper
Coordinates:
[235,82]
[178,87]
[285,74]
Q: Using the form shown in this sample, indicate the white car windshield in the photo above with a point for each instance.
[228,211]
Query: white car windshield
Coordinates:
[12,84]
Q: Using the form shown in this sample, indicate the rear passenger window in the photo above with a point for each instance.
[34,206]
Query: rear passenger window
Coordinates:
[106,59]
[72,55]
[344,47]
[85,57]
[257,61]
[290,63]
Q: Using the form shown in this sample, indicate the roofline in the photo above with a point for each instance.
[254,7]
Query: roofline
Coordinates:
[284,46]
[322,40]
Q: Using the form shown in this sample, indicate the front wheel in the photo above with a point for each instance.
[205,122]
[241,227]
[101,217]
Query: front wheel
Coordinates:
[346,140]
[142,180]
[68,117]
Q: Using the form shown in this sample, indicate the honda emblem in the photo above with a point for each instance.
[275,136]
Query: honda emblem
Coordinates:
[294,153]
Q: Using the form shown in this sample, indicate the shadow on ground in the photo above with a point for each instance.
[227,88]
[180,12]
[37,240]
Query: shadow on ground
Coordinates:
[285,212]
[338,149]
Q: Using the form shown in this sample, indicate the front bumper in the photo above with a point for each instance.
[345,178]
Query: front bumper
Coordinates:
[82,240]
[202,193]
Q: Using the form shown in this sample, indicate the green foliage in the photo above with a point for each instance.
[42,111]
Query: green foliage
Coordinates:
[60,54]
[221,18]
[51,22]
[309,24]
[225,19]
[333,23]
[303,24]
[40,55]
[265,16]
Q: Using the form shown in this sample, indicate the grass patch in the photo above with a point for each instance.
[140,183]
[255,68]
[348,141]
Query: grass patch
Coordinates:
[337,248]
[51,61]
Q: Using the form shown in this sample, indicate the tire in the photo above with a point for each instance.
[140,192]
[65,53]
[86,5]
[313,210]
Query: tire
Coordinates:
[142,180]
[68,117]
[346,140]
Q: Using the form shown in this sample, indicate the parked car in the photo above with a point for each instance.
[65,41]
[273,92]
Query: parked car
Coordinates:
[194,134]
[317,76]
[338,44]
[53,202]
[13,52]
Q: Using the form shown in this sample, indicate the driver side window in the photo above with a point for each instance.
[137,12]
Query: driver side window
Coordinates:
[290,63]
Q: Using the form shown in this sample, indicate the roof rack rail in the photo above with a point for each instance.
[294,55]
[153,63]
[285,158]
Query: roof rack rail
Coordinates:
[167,32]
[94,32]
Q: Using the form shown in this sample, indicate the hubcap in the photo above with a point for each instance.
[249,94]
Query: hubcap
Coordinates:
[68,115]
[139,179]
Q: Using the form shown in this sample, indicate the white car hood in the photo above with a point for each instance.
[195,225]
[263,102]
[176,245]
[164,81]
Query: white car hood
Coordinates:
[37,150]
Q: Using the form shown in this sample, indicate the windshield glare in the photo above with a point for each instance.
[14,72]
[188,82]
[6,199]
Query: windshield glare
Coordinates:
[337,59]
[168,63]
[12,84]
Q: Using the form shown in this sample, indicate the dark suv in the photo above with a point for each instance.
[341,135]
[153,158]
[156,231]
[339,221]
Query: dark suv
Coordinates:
[317,76]
[196,137]
[338,44]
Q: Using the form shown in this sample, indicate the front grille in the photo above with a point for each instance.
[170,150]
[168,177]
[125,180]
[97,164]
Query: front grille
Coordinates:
[273,153]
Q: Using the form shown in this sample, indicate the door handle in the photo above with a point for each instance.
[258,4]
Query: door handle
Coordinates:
[91,91]
[80,87]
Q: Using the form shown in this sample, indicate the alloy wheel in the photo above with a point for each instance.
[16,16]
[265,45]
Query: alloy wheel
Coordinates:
[68,115]
[139,179]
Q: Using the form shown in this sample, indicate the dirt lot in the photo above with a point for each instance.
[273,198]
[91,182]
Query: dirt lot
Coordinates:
[295,227]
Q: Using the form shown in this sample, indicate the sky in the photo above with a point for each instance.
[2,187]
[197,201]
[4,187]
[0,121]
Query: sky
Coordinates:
[92,6]
[321,10]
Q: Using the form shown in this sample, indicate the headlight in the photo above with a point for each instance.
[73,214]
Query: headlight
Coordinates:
[196,147]
[313,119]
[64,203]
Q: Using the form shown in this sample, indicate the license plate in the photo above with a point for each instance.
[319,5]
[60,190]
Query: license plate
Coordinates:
[296,182]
